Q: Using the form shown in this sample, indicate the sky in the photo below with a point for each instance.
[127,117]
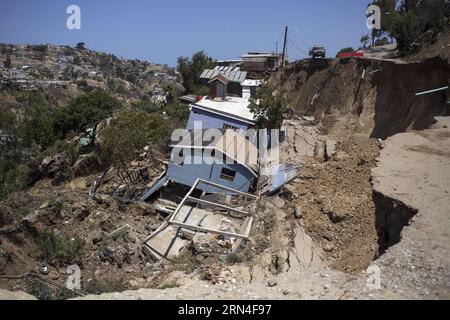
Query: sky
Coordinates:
[160,31]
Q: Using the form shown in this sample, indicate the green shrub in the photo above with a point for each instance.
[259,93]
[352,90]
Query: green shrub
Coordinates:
[128,134]
[345,50]
[59,249]
[178,114]
[96,286]
[268,107]
[83,112]
[234,258]
[145,105]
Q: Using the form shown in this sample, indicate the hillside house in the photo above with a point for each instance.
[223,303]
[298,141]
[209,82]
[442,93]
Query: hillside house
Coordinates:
[62,58]
[15,74]
[216,113]
[261,62]
[231,161]
[233,75]
[219,110]
[229,63]
[4,81]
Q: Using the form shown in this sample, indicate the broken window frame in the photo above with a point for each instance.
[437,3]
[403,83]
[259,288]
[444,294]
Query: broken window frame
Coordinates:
[244,233]
[230,176]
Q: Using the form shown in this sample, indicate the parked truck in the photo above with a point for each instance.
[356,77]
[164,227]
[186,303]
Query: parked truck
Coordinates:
[317,52]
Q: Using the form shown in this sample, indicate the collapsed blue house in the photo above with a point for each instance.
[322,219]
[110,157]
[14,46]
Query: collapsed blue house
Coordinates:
[231,161]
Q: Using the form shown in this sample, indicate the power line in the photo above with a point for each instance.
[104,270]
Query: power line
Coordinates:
[296,47]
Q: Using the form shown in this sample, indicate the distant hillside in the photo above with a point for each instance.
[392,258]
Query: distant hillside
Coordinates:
[63,72]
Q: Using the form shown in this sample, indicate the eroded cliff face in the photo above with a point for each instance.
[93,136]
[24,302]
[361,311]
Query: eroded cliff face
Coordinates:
[379,95]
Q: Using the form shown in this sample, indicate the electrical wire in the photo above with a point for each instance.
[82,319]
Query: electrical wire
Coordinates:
[296,47]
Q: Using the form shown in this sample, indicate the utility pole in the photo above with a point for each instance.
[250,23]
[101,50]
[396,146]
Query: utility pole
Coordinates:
[284,46]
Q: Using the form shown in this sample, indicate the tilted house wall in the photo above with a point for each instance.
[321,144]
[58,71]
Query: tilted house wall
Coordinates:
[187,174]
[230,161]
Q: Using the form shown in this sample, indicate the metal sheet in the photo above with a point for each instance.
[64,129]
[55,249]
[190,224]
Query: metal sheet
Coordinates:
[154,188]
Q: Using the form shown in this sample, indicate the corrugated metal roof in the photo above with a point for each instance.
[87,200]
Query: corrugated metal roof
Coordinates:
[220,77]
[233,74]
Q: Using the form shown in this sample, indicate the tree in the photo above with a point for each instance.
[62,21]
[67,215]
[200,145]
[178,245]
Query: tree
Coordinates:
[345,50]
[364,40]
[81,46]
[42,48]
[268,107]
[184,68]
[12,173]
[127,134]
[406,29]
[407,20]
[37,124]
[191,70]
[84,112]
[388,13]
[7,63]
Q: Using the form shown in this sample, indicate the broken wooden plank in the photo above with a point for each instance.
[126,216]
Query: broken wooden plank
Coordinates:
[207,230]
[163,209]
[248,195]
[217,205]
[245,229]
[118,232]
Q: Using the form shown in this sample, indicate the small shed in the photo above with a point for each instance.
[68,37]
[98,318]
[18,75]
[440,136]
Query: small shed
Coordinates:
[218,87]
[261,61]
[234,75]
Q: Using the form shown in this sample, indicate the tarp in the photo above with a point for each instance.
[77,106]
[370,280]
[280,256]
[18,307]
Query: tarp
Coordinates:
[345,55]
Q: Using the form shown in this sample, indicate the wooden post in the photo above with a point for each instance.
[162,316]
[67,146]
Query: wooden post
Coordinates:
[284,46]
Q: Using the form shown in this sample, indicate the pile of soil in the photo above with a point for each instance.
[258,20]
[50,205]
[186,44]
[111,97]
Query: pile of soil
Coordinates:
[333,200]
